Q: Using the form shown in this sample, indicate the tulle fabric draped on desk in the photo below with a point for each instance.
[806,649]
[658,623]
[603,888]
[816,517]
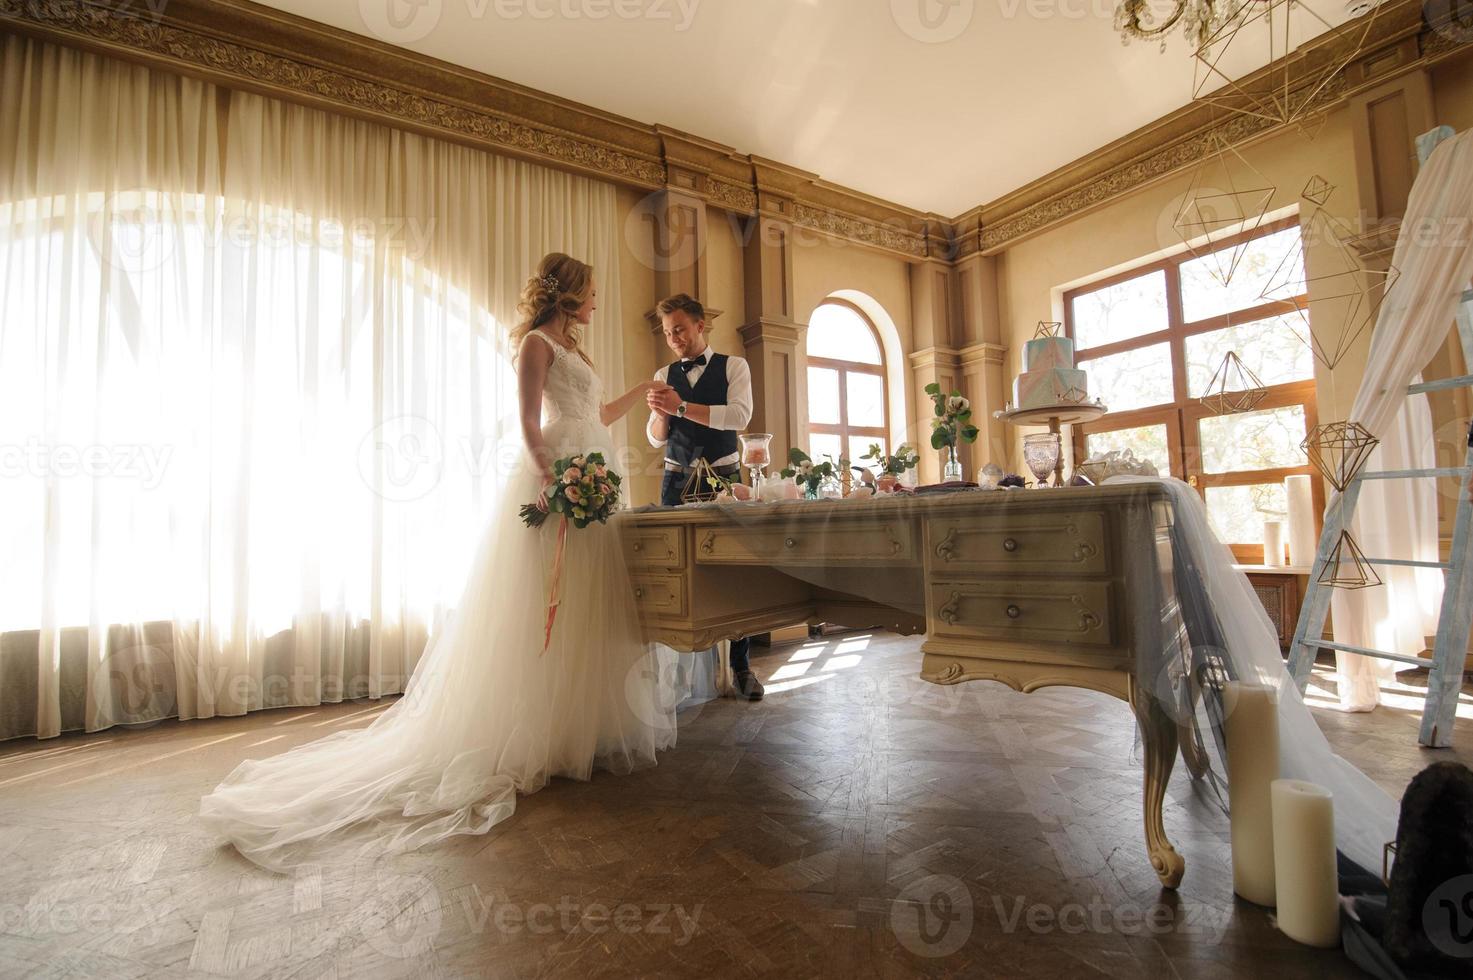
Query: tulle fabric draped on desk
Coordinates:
[1197,622]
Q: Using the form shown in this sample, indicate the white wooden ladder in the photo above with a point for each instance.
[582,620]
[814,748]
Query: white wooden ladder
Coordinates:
[1445,681]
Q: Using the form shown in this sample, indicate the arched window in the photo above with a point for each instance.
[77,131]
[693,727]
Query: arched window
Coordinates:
[848,400]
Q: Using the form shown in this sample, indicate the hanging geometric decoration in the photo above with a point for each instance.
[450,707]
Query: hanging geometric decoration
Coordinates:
[1234,388]
[1344,290]
[1292,91]
[1339,450]
[1048,328]
[1226,192]
[1317,190]
[1347,568]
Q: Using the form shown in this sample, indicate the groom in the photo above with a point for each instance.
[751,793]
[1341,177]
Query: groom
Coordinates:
[708,401]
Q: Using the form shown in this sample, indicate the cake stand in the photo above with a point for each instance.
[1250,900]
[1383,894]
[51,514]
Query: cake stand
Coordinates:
[1054,416]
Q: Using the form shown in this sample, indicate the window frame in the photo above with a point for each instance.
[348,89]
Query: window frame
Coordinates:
[1182,415]
[842,428]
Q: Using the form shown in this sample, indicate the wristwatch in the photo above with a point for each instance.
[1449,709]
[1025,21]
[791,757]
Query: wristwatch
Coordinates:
[680,412]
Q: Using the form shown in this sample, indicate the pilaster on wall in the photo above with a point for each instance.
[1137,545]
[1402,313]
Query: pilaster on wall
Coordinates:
[771,335]
[982,354]
[677,229]
[985,384]
[942,366]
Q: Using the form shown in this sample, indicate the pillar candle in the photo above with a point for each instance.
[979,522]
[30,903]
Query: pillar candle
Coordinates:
[1304,863]
[1273,544]
[1303,539]
[1252,730]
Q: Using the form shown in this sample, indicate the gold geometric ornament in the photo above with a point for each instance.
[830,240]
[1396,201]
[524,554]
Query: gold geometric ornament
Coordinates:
[1048,328]
[1339,450]
[1228,64]
[1347,567]
[1072,395]
[703,484]
[1226,194]
[1343,289]
[1234,388]
[1317,190]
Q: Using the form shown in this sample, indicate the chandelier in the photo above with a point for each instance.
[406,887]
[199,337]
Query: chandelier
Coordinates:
[1152,20]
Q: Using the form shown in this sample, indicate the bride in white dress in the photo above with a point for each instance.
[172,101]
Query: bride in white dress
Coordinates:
[487,714]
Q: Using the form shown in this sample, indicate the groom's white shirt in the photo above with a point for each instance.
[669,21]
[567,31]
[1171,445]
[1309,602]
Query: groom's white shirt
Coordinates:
[734,415]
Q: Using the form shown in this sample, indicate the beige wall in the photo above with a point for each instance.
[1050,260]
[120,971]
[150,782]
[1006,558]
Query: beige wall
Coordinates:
[1034,273]
[1031,275]
[821,266]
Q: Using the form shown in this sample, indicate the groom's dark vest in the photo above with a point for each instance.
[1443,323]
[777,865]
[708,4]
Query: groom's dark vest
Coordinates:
[689,441]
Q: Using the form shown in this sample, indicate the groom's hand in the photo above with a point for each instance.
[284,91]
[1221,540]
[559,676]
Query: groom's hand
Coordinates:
[664,400]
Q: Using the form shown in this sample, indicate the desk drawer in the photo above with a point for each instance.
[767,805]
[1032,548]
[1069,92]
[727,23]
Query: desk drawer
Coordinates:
[1061,613]
[1019,543]
[831,542]
[654,547]
[660,596]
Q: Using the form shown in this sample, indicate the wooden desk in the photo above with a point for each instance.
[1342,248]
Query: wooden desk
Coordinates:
[1033,588]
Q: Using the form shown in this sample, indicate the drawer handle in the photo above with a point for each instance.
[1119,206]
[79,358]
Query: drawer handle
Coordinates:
[638,546]
[791,543]
[1014,612]
[1009,544]
[639,593]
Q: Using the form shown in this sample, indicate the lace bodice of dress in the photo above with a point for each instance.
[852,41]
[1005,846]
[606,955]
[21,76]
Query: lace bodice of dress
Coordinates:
[573,390]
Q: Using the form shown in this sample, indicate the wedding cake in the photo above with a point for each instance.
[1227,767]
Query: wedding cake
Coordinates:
[1049,377]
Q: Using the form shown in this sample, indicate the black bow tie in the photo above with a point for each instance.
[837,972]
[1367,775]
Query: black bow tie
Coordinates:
[694,362]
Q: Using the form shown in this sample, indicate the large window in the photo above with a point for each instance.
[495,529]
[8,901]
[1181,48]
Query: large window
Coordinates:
[1152,340]
[847,399]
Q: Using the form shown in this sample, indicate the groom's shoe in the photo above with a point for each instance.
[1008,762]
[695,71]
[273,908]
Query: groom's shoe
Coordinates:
[748,686]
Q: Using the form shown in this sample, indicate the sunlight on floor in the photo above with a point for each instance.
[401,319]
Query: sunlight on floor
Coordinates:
[1395,695]
[830,656]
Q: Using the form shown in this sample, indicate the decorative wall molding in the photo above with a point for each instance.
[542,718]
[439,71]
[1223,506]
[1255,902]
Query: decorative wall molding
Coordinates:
[838,224]
[1400,41]
[240,44]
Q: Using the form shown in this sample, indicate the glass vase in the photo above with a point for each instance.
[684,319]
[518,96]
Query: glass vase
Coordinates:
[952,471]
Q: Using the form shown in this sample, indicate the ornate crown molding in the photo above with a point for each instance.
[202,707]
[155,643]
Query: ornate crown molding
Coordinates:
[881,234]
[126,27]
[1399,42]
[239,44]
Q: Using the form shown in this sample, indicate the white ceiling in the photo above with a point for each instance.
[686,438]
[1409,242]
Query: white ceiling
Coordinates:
[861,92]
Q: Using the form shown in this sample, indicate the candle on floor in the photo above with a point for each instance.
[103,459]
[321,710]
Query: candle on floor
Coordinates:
[1273,544]
[1252,730]
[1304,863]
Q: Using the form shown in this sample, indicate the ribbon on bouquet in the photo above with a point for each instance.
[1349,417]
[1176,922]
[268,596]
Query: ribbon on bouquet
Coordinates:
[554,596]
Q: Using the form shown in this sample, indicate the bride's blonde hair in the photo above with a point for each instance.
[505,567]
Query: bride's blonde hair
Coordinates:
[557,290]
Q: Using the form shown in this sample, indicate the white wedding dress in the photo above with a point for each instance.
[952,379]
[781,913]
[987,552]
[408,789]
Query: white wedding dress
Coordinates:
[487,714]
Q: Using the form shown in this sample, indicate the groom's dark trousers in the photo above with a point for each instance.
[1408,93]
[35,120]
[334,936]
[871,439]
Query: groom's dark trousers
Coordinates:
[670,491]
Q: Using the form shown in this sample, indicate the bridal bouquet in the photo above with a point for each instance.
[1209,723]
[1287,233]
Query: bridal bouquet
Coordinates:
[584,490]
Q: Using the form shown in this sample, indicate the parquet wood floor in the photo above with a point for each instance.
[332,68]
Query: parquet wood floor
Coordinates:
[857,823]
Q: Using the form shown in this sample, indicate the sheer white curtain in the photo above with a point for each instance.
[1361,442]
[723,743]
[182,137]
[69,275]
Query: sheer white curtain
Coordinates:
[1435,258]
[255,397]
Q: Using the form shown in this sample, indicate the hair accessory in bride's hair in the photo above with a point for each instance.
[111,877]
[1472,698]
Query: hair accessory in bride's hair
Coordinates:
[549,282]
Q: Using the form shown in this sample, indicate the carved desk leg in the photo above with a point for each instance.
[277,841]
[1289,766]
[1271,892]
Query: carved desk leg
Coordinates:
[1159,737]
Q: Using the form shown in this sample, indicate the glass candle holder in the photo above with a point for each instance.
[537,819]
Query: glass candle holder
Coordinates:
[1041,452]
[756,456]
